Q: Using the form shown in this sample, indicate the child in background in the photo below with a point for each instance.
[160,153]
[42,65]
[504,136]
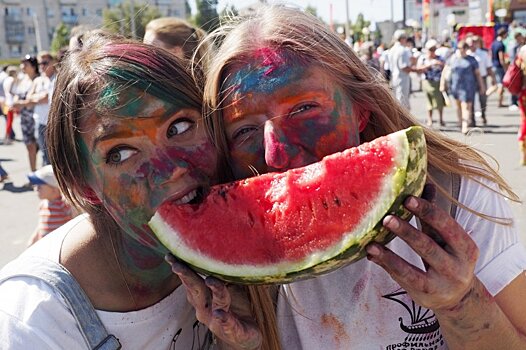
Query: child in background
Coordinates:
[53,211]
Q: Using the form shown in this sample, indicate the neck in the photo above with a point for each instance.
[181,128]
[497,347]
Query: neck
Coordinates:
[141,270]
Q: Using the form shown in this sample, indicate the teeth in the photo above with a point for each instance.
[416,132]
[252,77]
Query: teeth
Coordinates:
[187,198]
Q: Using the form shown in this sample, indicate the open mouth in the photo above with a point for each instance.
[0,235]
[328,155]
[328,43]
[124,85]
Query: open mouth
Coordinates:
[193,197]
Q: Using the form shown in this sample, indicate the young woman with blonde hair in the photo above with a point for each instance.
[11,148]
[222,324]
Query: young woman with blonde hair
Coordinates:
[284,91]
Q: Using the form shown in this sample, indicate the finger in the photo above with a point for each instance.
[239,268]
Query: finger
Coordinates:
[460,243]
[421,243]
[196,290]
[429,192]
[221,298]
[408,276]
[232,330]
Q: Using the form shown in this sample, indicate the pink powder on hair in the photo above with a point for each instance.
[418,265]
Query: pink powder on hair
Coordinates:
[271,58]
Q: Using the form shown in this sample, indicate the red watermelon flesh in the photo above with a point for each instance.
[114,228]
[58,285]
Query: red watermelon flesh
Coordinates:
[271,227]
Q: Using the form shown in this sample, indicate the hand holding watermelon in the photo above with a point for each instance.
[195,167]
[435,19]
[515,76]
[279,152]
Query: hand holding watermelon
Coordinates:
[224,310]
[449,276]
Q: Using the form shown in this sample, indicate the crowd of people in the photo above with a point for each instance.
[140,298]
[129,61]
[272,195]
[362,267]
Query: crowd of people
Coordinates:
[134,124]
[461,69]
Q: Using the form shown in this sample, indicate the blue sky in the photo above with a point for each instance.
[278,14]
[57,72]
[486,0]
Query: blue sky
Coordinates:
[373,10]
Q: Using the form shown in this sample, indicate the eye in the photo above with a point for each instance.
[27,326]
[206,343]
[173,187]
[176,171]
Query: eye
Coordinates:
[243,132]
[119,154]
[302,108]
[179,126]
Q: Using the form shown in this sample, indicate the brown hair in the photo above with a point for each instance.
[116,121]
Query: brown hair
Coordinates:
[101,60]
[314,42]
[176,32]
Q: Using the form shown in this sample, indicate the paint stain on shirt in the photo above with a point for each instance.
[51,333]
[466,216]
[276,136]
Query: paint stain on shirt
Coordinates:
[331,323]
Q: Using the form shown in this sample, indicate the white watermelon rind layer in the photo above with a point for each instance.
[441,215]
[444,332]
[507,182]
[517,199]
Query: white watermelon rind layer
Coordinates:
[349,249]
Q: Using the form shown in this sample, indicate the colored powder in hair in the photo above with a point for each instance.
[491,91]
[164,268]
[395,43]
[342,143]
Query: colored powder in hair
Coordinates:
[268,70]
[138,81]
[108,98]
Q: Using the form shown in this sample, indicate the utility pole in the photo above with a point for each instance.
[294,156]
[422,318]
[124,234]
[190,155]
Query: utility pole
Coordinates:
[132,19]
[347,28]
[37,32]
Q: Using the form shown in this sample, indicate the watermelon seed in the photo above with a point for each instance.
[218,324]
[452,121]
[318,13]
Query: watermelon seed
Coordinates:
[222,192]
[251,219]
[337,201]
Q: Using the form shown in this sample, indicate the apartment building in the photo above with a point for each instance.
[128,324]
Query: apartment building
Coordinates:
[27,26]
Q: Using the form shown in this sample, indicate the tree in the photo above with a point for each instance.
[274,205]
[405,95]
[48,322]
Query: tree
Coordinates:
[313,11]
[358,26]
[206,16]
[121,19]
[60,38]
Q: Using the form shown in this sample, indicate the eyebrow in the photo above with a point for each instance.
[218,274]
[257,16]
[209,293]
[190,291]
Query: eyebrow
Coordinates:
[109,132]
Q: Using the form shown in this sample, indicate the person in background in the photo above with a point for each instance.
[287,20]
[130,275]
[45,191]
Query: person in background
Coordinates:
[431,66]
[8,87]
[498,60]
[25,107]
[522,107]
[177,36]
[514,47]
[53,210]
[40,96]
[463,82]
[399,57]
[485,69]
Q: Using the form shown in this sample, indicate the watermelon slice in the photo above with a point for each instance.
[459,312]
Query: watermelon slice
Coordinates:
[281,227]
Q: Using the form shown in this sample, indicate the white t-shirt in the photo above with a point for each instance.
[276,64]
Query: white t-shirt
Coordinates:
[34,316]
[41,110]
[362,307]
[484,60]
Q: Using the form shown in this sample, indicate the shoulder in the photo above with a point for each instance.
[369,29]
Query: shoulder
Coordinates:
[34,316]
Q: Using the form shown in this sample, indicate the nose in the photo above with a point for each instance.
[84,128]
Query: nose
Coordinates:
[166,169]
[278,150]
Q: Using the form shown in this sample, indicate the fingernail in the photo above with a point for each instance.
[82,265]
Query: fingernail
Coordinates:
[411,203]
[373,250]
[391,222]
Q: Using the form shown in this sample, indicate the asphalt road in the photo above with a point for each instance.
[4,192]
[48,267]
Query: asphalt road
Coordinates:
[19,207]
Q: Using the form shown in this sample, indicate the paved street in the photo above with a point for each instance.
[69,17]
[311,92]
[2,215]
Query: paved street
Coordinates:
[18,207]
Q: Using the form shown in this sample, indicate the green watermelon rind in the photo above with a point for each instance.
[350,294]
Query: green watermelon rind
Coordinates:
[406,179]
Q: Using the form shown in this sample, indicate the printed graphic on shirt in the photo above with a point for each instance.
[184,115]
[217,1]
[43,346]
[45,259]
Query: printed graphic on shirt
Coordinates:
[201,338]
[420,325]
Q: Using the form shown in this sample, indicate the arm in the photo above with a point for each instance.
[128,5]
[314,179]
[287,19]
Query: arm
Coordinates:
[502,60]
[469,316]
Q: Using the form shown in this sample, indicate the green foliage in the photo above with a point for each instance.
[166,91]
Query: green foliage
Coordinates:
[60,38]
[358,26]
[206,16]
[313,11]
[119,18]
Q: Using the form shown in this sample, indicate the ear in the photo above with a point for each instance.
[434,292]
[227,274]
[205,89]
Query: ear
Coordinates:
[363,119]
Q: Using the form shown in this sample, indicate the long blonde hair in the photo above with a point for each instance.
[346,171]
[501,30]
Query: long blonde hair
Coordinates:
[303,35]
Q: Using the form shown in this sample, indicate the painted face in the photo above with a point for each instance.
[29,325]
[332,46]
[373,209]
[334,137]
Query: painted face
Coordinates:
[281,113]
[143,152]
